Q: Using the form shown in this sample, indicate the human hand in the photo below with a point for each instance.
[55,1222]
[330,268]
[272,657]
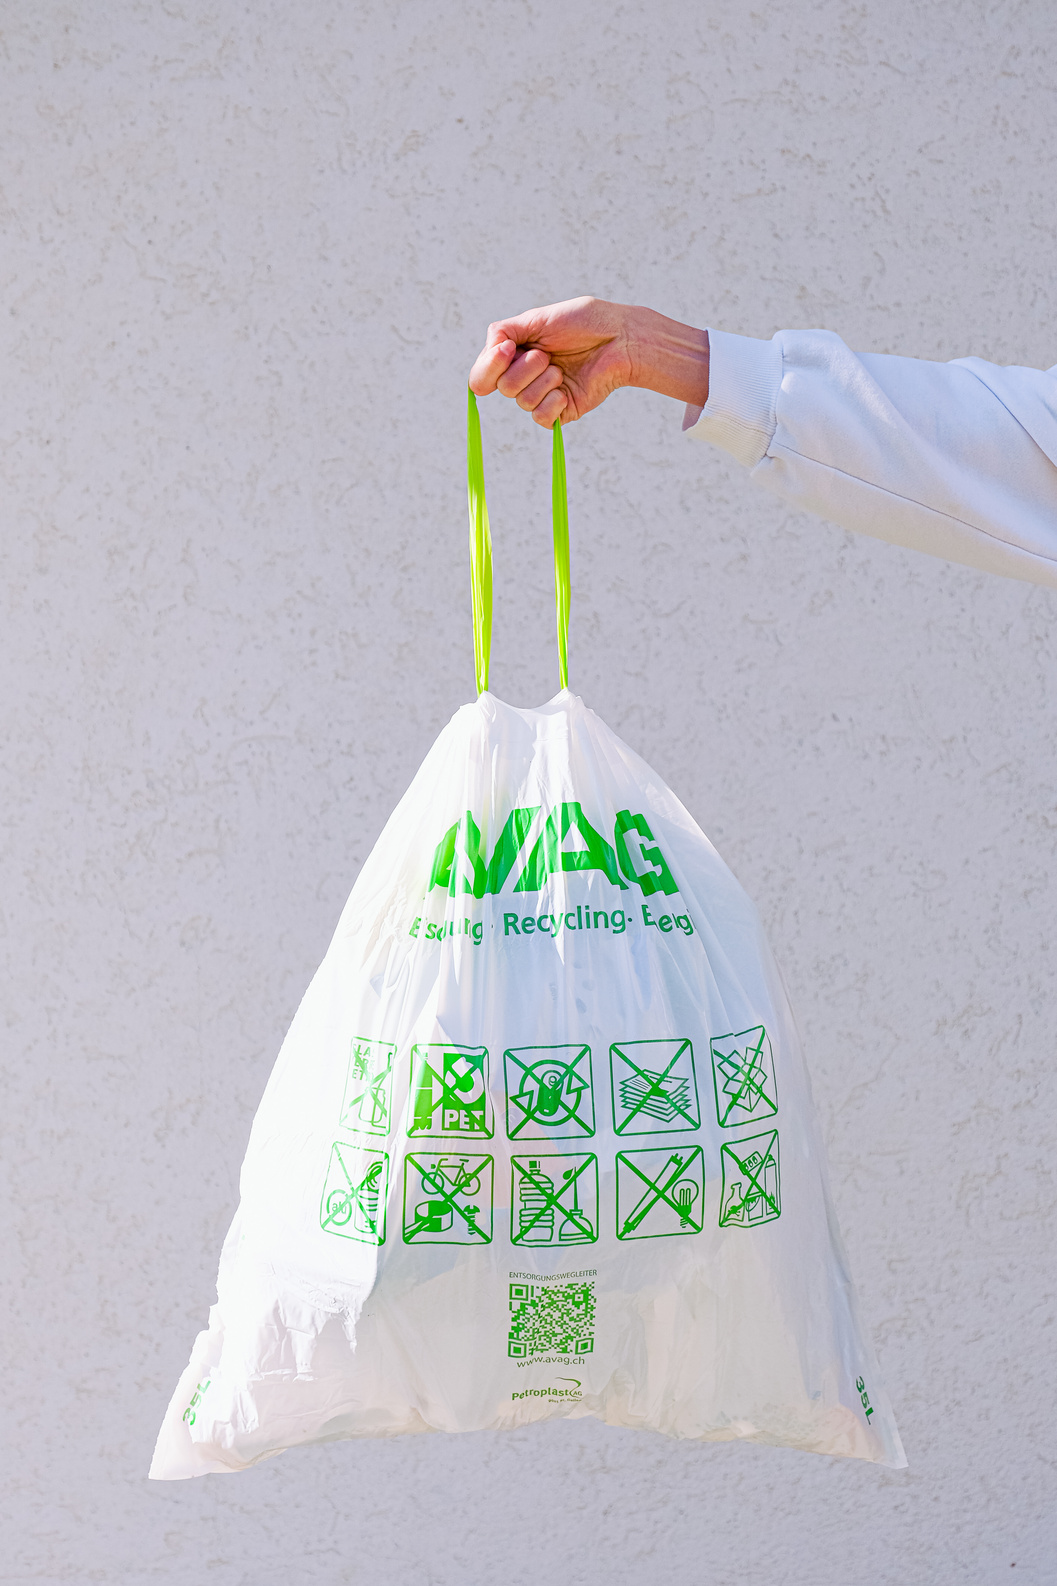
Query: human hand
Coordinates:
[563,360]
[558,361]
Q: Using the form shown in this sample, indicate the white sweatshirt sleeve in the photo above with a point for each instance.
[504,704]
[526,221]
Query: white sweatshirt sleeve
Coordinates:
[957,459]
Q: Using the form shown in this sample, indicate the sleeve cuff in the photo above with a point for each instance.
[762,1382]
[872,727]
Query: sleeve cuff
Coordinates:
[744,378]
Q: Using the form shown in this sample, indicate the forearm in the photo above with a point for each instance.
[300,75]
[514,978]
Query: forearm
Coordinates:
[667,356]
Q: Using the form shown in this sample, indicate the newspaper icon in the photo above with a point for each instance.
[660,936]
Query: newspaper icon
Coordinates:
[654,1087]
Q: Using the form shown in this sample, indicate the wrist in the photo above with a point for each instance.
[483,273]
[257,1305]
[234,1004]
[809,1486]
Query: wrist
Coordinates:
[668,357]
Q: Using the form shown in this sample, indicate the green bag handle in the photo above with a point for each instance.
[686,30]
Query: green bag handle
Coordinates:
[481,548]
[560,518]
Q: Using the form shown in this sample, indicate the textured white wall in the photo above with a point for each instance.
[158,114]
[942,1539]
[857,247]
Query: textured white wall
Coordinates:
[250,251]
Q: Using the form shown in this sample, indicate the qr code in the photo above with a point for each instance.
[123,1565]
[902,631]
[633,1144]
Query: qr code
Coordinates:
[546,1318]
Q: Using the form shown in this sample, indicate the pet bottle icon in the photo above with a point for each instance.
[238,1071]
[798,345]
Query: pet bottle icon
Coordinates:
[536,1208]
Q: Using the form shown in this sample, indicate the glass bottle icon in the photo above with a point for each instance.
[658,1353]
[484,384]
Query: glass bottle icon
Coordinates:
[734,1210]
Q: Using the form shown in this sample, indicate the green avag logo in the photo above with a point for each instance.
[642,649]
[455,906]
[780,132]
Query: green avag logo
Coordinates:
[567,842]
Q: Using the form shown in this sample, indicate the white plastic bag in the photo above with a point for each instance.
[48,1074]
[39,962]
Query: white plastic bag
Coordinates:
[540,1141]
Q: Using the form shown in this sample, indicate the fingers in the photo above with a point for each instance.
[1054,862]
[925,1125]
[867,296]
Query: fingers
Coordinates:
[492,362]
[516,357]
[534,382]
[529,399]
[505,336]
[523,372]
[530,377]
[552,407]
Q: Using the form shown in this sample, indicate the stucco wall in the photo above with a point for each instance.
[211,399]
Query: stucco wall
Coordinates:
[249,252]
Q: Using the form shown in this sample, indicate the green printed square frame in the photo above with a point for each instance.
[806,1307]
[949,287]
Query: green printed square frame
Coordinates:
[549,1092]
[355,1194]
[752,1181]
[554,1200]
[449,1091]
[447,1197]
[367,1106]
[654,1087]
[660,1193]
[743,1077]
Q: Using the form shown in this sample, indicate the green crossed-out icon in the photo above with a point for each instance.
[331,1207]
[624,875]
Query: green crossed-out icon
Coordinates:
[554,1200]
[752,1184]
[447,1199]
[549,1092]
[660,1193]
[654,1086]
[743,1077]
[449,1090]
[367,1105]
[355,1193]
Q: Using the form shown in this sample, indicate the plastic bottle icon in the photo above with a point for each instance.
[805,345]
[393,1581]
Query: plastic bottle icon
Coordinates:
[536,1206]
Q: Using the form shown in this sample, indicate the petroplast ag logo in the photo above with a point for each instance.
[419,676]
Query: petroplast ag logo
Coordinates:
[565,1390]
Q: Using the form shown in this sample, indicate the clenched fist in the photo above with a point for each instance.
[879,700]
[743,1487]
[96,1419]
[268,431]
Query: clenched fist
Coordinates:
[563,360]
